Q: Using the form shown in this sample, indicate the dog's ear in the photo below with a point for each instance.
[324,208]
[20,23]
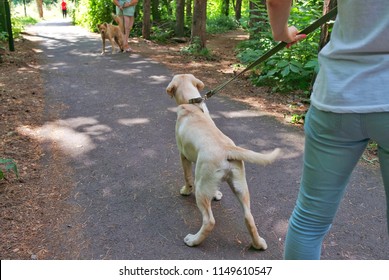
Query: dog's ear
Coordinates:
[171,89]
[198,84]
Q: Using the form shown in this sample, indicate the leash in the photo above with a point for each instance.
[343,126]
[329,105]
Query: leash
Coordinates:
[312,27]
[124,24]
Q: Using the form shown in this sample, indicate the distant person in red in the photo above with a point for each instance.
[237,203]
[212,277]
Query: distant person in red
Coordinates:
[64,9]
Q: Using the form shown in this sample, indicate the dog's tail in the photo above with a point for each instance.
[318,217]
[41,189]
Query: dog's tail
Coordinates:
[115,18]
[119,21]
[238,153]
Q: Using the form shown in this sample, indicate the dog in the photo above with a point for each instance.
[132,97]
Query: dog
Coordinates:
[113,33]
[216,156]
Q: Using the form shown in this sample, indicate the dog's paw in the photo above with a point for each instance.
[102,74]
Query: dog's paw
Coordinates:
[190,240]
[218,196]
[260,244]
[102,53]
[185,190]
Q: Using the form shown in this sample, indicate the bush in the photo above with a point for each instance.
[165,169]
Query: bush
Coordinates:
[195,49]
[89,13]
[221,24]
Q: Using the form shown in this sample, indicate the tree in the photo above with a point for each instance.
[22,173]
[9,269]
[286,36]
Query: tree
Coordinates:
[39,4]
[146,27]
[180,18]
[199,22]
[255,11]
[238,10]
[325,34]
[188,10]
[225,7]
[3,18]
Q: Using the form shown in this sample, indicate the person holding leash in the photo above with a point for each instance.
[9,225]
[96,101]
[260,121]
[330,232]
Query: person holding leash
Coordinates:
[349,106]
[126,10]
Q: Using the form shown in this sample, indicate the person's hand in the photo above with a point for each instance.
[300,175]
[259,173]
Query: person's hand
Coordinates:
[290,36]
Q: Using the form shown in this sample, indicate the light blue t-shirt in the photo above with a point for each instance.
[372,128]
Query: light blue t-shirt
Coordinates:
[354,65]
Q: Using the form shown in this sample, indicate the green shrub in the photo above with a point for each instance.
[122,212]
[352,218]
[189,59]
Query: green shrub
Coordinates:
[221,24]
[7,165]
[89,13]
[194,49]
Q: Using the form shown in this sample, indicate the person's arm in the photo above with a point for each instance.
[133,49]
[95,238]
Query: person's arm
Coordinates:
[117,4]
[279,11]
[131,3]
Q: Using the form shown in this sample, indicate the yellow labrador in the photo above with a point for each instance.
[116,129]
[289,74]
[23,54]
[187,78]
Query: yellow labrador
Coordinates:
[216,156]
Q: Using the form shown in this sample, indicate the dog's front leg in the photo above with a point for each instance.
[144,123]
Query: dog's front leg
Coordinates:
[103,45]
[187,167]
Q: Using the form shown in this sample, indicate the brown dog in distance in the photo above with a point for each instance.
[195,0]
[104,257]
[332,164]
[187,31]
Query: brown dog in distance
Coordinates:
[113,33]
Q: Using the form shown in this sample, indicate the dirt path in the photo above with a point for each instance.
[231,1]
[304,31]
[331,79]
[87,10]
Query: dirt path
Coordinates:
[105,178]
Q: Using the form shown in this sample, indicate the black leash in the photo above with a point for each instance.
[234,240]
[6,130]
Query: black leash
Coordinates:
[312,27]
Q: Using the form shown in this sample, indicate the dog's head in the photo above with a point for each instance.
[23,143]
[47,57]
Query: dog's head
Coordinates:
[184,87]
[102,27]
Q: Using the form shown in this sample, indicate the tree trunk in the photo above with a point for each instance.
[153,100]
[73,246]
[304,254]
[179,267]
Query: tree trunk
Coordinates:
[3,18]
[199,22]
[39,4]
[180,18]
[255,12]
[146,27]
[238,10]
[325,35]
[188,11]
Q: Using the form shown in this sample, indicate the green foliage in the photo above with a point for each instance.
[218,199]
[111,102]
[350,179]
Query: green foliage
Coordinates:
[297,118]
[7,165]
[221,24]
[162,32]
[18,24]
[3,36]
[290,69]
[195,49]
[89,13]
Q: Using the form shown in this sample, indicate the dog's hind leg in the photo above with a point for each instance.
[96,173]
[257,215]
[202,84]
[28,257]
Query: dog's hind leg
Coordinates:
[187,167]
[204,205]
[238,184]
